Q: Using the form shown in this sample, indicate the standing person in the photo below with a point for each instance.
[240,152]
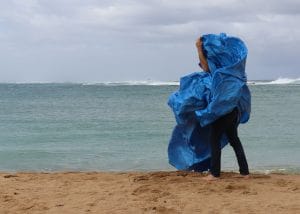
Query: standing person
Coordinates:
[208,107]
[226,124]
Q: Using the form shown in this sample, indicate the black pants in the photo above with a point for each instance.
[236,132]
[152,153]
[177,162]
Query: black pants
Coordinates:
[226,124]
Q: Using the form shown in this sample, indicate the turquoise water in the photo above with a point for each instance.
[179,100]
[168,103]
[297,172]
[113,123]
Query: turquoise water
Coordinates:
[112,127]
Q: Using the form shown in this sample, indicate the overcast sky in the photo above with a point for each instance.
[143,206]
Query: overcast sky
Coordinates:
[111,40]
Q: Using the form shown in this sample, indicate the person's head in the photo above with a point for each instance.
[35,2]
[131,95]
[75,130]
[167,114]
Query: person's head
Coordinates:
[202,55]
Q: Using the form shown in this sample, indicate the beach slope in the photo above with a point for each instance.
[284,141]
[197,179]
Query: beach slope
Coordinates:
[147,192]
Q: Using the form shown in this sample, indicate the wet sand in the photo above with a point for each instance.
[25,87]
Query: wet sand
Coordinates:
[147,192]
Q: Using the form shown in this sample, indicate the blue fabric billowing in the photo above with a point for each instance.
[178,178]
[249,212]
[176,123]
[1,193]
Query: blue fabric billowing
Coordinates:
[204,97]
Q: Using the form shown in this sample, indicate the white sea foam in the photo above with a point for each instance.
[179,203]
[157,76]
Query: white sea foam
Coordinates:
[134,83]
[279,81]
[269,171]
[286,81]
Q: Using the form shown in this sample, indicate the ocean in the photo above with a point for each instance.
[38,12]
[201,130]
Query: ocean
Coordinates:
[126,126]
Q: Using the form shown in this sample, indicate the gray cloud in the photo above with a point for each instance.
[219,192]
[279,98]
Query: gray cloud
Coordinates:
[64,40]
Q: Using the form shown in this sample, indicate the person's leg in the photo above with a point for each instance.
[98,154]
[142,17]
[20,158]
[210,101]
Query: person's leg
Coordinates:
[232,135]
[215,162]
[216,133]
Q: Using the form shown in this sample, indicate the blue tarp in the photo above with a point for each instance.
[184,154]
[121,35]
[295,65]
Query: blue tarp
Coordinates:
[203,97]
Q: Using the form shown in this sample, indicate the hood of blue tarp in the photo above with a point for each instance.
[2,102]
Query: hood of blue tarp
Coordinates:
[225,52]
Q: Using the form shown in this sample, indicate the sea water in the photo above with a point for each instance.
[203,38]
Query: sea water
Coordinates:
[122,126]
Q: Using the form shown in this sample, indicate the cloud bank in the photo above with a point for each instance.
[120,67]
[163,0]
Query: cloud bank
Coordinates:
[83,41]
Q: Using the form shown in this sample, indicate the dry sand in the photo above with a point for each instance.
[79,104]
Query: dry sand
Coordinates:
[147,192]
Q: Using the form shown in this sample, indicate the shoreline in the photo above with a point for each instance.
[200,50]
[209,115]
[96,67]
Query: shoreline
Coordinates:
[147,192]
[225,172]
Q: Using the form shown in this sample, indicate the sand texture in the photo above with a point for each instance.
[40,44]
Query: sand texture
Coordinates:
[147,192]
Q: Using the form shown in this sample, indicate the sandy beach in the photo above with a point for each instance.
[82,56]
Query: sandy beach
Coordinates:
[147,192]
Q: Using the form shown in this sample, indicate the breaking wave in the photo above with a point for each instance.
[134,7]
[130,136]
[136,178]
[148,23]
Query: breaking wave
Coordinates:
[135,83]
[279,81]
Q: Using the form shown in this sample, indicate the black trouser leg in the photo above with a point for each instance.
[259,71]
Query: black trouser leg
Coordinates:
[236,144]
[226,124]
[215,162]
[215,142]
